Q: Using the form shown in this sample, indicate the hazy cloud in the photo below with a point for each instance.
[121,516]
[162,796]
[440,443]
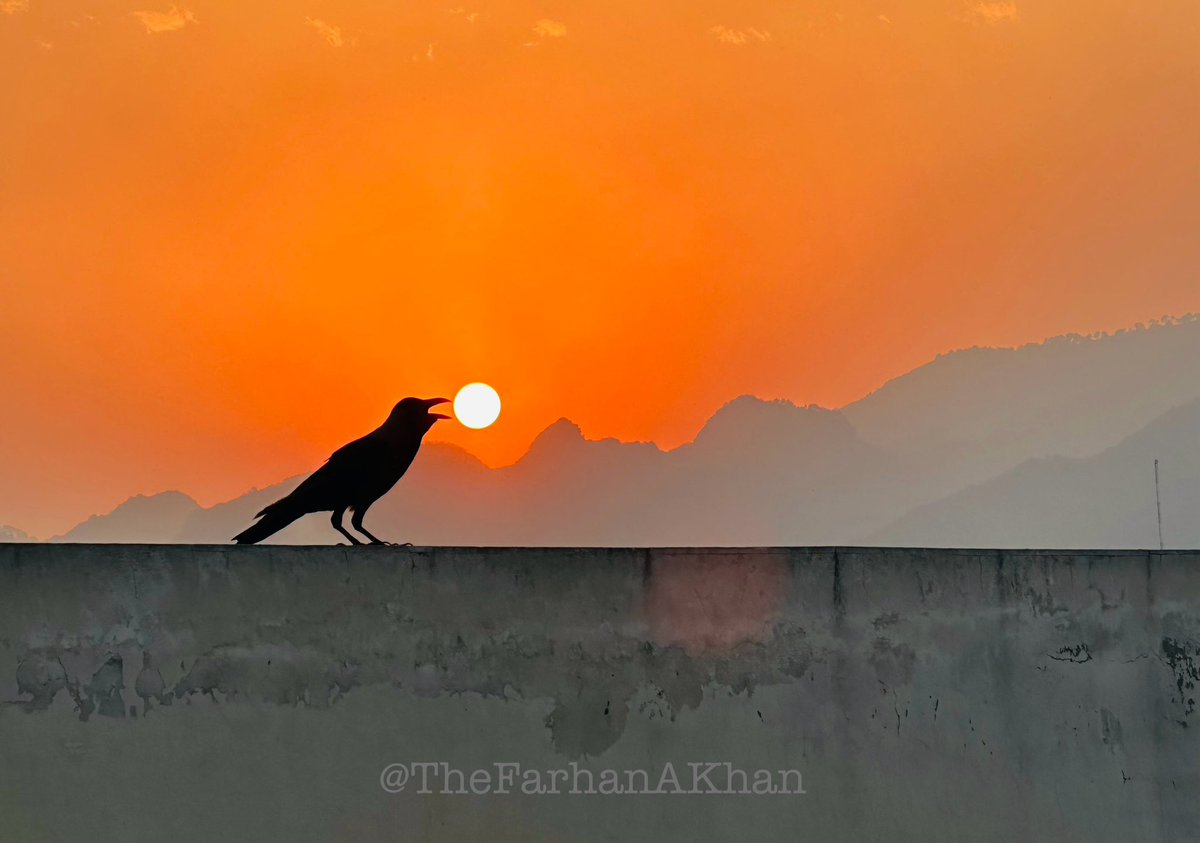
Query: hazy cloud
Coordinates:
[547,28]
[470,17]
[739,37]
[13,7]
[169,21]
[993,11]
[332,34]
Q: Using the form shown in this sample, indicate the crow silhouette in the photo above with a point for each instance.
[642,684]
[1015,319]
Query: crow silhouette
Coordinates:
[355,476]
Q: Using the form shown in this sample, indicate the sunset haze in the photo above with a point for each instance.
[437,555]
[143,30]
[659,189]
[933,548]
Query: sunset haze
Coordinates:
[233,235]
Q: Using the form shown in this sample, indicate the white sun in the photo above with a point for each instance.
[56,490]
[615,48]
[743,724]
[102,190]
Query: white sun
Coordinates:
[477,405]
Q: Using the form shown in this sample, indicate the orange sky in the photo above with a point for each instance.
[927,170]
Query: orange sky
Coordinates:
[232,234]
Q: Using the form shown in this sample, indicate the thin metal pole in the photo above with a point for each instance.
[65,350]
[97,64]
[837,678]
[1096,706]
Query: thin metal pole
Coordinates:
[1158,505]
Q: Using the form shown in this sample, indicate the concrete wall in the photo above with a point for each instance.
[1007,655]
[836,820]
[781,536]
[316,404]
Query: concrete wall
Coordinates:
[194,693]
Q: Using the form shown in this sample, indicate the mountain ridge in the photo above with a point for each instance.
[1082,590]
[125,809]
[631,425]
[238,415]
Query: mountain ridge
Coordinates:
[760,471]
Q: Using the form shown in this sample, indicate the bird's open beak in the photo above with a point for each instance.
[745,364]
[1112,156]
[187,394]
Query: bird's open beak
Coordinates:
[433,402]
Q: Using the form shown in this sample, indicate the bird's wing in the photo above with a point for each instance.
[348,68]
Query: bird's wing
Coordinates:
[359,453]
[329,485]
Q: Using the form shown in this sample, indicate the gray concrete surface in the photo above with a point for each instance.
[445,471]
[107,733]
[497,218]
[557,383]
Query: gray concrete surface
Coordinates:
[194,693]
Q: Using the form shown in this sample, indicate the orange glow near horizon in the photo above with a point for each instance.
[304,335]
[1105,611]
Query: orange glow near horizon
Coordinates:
[233,235]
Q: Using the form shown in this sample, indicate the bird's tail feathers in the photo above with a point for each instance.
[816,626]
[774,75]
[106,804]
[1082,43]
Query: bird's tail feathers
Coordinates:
[274,518]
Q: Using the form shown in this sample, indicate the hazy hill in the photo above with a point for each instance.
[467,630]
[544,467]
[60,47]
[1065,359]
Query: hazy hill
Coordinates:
[910,463]
[142,518]
[972,414]
[1070,395]
[771,469]
[12,534]
[1106,500]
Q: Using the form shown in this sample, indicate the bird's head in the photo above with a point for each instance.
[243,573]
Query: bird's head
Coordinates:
[415,412]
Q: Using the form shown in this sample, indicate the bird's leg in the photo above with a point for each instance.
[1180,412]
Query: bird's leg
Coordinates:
[356,519]
[336,521]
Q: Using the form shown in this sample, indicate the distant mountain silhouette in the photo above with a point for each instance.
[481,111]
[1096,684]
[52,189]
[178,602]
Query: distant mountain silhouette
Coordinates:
[1106,500]
[142,518]
[972,414]
[12,534]
[919,461]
